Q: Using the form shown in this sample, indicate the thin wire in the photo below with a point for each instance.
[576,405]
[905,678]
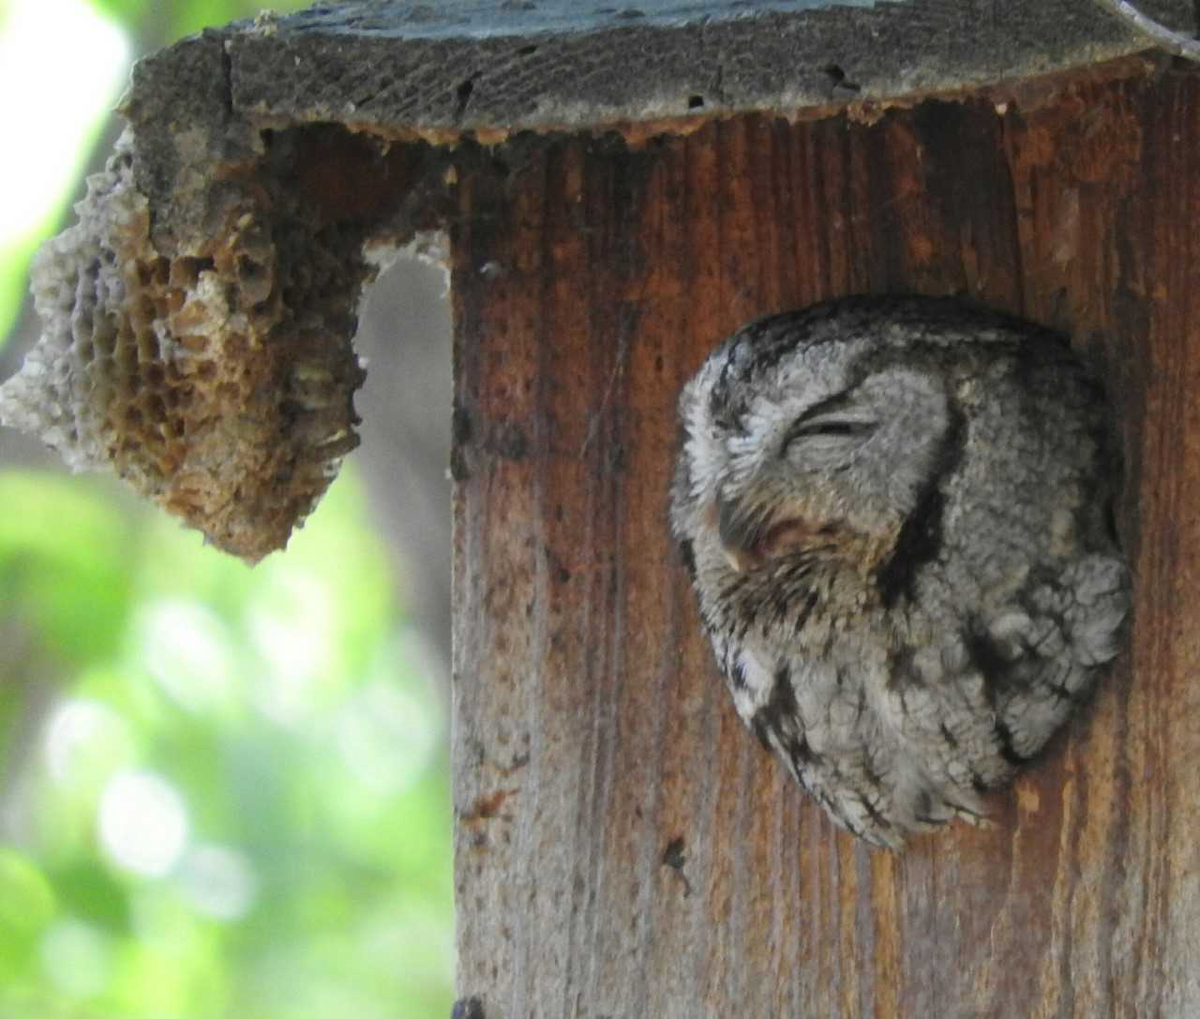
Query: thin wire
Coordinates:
[1167,38]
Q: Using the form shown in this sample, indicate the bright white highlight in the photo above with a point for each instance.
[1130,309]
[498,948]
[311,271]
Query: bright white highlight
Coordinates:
[82,736]
[69,64]
[143,823]
[187,649]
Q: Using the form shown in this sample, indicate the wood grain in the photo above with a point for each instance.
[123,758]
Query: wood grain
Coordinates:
[624,847]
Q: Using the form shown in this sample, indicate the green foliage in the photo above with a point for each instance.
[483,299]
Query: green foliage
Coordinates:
[15,254]
[63,555]
[236,804]
[183,17]
[27,904]
[224,791]
[128,12]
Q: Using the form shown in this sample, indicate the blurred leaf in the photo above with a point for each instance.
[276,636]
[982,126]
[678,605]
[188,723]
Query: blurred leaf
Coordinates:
[175,969]
[26,897]
[14,275]
[88,890]
[198,14]
[27,905]
[185,17]
[64,561]
[127,12]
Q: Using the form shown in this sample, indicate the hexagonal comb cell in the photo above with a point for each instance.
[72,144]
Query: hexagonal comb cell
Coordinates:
[218,383]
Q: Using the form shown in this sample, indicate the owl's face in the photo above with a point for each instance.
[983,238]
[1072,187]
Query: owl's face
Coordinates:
[826,447]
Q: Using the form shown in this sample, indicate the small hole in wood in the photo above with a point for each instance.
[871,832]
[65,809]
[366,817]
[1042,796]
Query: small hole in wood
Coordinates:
[838,78]
[467,1008]
[695,102]
[673,855]
[464,90]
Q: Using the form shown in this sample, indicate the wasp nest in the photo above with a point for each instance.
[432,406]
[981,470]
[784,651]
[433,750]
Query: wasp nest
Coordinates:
[218,383]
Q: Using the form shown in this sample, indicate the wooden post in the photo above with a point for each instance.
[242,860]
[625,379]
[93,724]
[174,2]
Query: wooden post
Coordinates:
[624,847]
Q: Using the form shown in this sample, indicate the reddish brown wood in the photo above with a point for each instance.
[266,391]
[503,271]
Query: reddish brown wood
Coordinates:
[624,847]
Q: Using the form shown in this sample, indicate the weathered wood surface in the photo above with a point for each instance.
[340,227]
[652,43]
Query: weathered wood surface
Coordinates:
[625,848]
[492,67]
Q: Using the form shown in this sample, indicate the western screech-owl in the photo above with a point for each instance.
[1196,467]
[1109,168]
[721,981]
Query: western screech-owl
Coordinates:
[897,516]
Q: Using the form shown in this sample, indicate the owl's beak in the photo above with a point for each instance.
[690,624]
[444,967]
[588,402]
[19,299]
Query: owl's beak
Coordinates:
[739,561]
[750,535]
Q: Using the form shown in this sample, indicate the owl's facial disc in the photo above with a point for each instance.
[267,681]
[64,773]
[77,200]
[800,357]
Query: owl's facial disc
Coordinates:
[753,534]
[796,500]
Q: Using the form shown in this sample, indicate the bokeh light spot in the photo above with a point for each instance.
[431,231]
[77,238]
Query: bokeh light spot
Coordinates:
[143,823]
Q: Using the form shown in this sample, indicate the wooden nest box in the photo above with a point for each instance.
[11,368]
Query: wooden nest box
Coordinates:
[614,191]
